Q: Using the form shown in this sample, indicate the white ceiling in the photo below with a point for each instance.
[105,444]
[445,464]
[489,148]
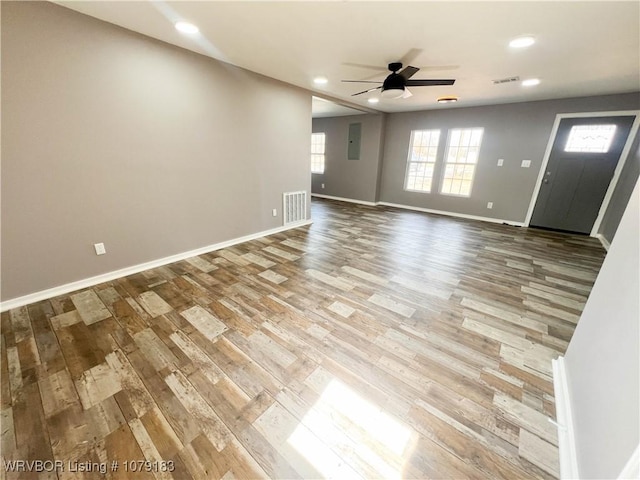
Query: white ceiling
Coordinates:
[582,48]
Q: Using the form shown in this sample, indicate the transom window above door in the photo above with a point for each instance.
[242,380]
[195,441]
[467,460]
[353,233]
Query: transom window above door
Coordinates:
[590,138]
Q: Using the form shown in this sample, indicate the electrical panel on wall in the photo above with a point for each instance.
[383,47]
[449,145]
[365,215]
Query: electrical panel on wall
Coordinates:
[353,149]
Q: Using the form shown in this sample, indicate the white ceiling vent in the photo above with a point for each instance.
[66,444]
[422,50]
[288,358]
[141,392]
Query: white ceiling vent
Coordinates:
[506,80]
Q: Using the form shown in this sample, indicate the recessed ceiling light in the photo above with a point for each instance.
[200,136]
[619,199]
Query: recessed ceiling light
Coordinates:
[373,100]
[186,27]
[522,42]
[320,80]
[447,99]
[530,82]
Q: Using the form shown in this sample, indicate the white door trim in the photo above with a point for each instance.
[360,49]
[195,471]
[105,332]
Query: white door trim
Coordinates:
[632,467]
[616,174]
[568,455]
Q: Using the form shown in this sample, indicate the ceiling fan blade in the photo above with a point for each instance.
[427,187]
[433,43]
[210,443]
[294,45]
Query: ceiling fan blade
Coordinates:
[368,67]
[408,72]
[407,93]
[428,83]
[358,81]
[380,74]
[437,68]
[410,56]
[367,91]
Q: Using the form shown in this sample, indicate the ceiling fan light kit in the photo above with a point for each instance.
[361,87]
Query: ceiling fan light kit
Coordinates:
[392,92]
[450,99]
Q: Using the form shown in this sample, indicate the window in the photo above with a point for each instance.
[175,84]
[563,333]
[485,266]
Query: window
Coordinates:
[590,138]
[317,153]
[423,148]
[461,158]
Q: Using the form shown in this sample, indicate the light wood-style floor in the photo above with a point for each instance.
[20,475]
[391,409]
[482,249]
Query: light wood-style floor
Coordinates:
[376,343]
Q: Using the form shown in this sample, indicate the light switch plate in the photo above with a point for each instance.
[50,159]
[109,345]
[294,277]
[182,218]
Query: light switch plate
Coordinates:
[500,162]
[489,205]
[100,250]
[525,163]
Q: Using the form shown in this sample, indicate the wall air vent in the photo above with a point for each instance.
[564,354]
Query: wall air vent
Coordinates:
[506,80]
[294,207]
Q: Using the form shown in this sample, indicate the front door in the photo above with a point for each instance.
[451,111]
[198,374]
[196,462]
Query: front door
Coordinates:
[583,159]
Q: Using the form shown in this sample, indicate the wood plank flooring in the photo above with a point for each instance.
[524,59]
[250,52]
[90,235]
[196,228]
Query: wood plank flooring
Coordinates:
[375,343]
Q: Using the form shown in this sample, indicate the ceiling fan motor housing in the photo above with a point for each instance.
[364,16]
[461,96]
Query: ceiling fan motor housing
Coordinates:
[394,81]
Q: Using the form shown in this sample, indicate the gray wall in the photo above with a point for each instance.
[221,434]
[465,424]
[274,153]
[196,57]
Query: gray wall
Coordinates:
[354,179]
[514,132]
[110,136]
[603,358]
[622,192]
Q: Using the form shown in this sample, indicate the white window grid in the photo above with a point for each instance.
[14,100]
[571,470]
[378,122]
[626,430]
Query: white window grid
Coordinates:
[423,148]
[461,158]
[590,138]
[317,152]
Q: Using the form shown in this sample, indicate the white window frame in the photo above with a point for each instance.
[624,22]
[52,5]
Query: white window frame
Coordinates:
[430,151]
[318,152]
[465,164]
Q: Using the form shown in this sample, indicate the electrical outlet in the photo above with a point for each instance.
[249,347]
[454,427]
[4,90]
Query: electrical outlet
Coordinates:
[500,162]
[322,185]
[274,212]
[490,205]
[525,163]
[100,250]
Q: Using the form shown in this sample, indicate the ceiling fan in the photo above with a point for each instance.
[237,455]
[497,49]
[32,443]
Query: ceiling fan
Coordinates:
[395,85]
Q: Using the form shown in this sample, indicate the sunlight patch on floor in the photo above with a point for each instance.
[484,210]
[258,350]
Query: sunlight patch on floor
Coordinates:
[342,425]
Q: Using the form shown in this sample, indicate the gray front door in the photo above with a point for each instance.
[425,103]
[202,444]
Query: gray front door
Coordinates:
[583,158]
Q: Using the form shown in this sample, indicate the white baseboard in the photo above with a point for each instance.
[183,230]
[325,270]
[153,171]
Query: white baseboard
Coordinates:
[564,416]
[420,209]
[341,199]
[123,272]
[453,214]
[632,468]
[605,243]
